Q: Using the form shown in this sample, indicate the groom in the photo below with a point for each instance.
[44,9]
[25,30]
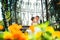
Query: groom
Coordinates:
[38,20]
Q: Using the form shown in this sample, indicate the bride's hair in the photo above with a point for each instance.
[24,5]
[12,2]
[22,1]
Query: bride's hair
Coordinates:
[32,18]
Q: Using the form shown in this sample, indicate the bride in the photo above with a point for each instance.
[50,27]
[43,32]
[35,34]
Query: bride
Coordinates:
[34,21]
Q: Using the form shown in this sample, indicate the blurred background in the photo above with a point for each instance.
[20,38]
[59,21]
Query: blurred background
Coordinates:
[21,11]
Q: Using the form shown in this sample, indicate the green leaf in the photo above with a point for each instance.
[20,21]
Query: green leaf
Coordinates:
[49,33]
[7,15]
[1,35]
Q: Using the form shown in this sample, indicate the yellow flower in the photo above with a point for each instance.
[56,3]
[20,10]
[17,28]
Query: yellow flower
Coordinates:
[1,27]
[50,29]
[14,28]
[38,34]
[56,34]
[20,26]
[19,35]
[8,35]
[26,34]
[31,28]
